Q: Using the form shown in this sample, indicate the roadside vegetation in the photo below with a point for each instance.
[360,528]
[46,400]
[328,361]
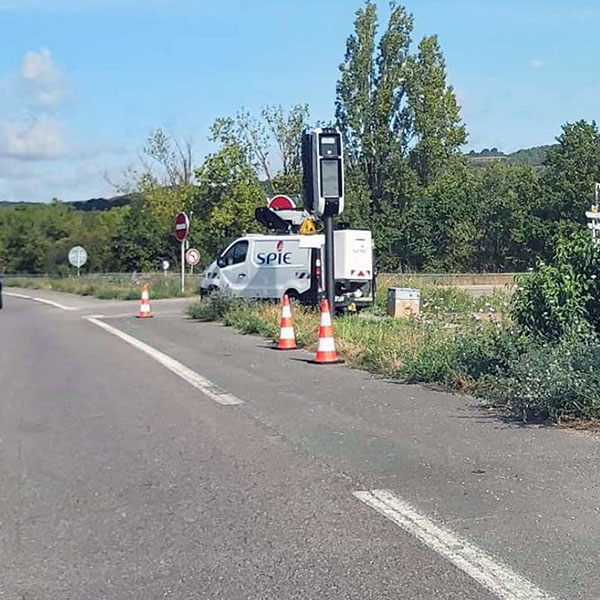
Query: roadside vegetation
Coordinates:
[535,352]
[116,286]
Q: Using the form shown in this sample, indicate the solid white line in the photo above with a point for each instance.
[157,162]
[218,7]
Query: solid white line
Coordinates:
[55,304]
[43,300]
[496,577]
[206,386]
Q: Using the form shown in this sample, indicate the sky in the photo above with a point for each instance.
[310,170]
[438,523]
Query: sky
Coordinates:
[83,82]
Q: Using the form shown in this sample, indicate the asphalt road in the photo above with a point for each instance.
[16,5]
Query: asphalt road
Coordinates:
[120,479]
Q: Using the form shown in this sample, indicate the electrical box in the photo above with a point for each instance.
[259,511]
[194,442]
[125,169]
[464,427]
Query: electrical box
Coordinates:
[353,254]
[323,171]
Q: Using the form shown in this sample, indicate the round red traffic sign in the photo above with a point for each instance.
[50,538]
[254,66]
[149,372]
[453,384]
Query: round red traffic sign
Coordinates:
[181,226]
[281,203]
[192,257]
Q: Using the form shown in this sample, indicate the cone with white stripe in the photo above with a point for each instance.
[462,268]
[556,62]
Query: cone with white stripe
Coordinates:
[145,312]
[287,338]
[326,353]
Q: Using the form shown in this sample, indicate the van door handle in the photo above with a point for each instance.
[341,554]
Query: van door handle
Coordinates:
[242,275]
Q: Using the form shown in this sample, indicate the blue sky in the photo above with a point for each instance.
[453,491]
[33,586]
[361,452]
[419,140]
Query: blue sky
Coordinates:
[82,82]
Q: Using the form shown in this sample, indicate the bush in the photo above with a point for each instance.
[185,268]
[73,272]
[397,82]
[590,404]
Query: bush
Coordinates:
[551,381]
[212,308]
[466,356]
[561,297]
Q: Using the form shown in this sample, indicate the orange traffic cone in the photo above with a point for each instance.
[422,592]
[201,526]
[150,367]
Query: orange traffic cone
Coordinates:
[287,339]
[145,312]
[326,353]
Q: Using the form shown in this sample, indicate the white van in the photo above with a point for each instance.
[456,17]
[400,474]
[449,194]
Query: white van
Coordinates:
[268,266]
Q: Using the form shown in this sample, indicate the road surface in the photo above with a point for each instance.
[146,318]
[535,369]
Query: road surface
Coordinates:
[163,458]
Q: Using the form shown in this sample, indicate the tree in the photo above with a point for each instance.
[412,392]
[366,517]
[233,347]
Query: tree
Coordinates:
[370,95]
[141,241]
[270,144]
[570,170]
[434,113]
[229,192]
[400,122]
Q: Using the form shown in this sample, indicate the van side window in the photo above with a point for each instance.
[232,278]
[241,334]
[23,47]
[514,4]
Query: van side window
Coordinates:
[236,254]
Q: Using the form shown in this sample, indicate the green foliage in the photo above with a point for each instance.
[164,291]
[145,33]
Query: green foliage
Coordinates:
[212,308]
[434,112]
[141,240]
[562,297]
[551,381]
[571,169]
[228,194]
[462,359]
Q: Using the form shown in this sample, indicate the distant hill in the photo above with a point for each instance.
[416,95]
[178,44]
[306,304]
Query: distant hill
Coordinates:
[104,203]
[533,157]
[92,204]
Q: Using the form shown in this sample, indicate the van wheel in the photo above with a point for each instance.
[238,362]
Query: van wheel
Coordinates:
[293,295]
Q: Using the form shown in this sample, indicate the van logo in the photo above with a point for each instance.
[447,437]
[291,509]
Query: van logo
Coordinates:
[274,258]
[279,246]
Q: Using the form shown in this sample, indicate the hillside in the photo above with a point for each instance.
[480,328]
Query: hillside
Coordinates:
[93,204]
[533,157]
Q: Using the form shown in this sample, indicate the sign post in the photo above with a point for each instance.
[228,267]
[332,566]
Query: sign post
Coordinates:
[180,230]
[323,189]
[593,216]
[78,257]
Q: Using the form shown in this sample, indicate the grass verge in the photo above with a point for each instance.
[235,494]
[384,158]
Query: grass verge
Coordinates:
[118,287]
[484,357]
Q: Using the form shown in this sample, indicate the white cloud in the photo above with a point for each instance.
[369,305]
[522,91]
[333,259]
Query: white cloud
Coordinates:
[39,139]
[536,63]
[44,78]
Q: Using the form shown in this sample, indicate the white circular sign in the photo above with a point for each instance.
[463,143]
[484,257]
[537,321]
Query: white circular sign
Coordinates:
[192,257]
[165,265]
[78,256]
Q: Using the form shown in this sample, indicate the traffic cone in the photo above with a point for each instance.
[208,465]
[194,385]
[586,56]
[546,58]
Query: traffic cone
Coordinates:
[145,312]
[326,353]
[287,339]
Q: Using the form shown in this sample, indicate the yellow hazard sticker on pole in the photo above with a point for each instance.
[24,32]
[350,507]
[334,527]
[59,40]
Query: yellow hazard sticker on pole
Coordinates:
[308,227]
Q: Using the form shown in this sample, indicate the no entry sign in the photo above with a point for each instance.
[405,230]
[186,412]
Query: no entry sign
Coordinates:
[181,226]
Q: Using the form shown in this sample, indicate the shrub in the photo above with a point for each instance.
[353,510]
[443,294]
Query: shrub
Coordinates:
[561,297]
[212,308]
[552,380]
[461,359]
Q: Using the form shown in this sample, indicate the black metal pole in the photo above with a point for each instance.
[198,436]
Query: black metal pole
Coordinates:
[329,263]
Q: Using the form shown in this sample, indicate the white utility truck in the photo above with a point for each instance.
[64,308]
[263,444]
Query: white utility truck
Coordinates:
[268,266]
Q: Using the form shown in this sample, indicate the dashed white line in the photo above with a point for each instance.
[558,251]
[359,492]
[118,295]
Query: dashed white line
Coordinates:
[207,387]
[498,578]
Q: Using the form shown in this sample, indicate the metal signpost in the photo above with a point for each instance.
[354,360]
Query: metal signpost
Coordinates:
[593,216]
[192,257]
[180,230]
[323,189]
[78,257]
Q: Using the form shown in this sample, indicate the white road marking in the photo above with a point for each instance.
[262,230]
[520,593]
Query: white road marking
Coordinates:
[55,304]
[42,300]
[483,568]
[206,386]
